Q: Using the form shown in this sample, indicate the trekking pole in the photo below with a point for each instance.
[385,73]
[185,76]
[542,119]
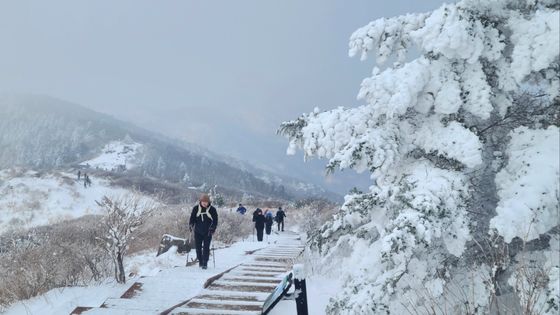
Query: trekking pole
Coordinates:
[253,233]
[190,245]
[214,256]
[189,239]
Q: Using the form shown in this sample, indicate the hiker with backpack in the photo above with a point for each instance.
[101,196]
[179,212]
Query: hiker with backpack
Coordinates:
[203,220]
[259,219]
[280,215]
[268,221]
[241,209]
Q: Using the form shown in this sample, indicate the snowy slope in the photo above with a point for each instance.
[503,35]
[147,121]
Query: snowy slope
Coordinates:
[115,156]
[29,198]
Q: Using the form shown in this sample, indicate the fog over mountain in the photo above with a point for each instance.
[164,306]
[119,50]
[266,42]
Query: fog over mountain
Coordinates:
[221,74]
[42,132]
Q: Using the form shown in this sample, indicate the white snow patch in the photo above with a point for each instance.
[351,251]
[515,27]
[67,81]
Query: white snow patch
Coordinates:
[116,155]
[528,186]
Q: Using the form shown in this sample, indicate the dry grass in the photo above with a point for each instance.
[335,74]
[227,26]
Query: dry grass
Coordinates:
[35,261]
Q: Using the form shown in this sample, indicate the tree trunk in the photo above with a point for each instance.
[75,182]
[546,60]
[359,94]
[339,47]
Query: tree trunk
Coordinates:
[121,277]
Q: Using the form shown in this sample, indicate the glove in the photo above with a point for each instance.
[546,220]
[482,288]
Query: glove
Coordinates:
[191,227]
[211,231]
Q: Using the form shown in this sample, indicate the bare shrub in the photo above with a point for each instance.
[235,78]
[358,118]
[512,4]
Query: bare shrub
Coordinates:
[165,220]
[35,261]
[233,226]
[174,220]
[123,216]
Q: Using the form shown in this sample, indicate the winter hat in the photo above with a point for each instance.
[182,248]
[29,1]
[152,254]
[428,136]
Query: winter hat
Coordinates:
[204,197]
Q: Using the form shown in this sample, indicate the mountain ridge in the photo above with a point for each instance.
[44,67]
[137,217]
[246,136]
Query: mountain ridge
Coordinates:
[41,131]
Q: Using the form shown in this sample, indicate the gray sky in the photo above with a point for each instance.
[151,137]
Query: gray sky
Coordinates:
[222,74]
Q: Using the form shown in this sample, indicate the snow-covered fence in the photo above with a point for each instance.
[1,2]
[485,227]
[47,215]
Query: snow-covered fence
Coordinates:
[300,289]
[297,278]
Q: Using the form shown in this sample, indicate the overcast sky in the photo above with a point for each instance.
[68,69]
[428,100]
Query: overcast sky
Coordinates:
[222,74]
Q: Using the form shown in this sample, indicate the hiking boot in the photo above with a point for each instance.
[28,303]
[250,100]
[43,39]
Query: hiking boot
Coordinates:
[204,267]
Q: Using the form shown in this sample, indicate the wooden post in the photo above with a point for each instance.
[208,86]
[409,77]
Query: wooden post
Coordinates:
[301,290]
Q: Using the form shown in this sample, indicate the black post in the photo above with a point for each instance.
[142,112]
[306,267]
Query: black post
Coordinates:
[301,290]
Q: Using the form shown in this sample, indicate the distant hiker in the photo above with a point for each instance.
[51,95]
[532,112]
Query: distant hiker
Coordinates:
[258,218]
[204,220]
[241,209]
[79,174]
[268,221]
[280,215]
[88,181]
[85,180]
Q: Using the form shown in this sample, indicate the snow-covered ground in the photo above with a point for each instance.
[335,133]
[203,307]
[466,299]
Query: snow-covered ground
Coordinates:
[116,155]
[29,198]
[167,281]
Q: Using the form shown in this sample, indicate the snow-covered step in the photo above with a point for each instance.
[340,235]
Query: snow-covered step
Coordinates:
[279,256]
[238,280]
[223,306]
[217,294]
[292,248]
[264,267]
[248,274]
[226,301]
[140,304]
[201,311]
[281,250]
[128,304]
[244,283]
[278,252]
[265,264]
[261,269]
[228,276]
[108,311]
[274,258]
[254,273]
[241,288]
[288,260]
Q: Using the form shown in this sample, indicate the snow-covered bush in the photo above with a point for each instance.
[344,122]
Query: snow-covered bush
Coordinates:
[462,143]
[310,214]
[123,216]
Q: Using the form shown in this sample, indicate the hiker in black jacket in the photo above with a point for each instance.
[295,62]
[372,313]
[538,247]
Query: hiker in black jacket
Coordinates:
[258,218]
[204,220]
[280,215]
[269,221]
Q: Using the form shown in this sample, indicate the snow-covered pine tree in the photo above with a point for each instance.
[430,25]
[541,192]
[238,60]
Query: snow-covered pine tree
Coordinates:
[462,143]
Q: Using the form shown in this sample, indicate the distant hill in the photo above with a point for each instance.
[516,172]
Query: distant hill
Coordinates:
[42,132]
[30,198]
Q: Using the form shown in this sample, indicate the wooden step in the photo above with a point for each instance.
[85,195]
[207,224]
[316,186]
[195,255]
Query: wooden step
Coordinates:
[222,305]
[241,288]
[239,280]
[201,311]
